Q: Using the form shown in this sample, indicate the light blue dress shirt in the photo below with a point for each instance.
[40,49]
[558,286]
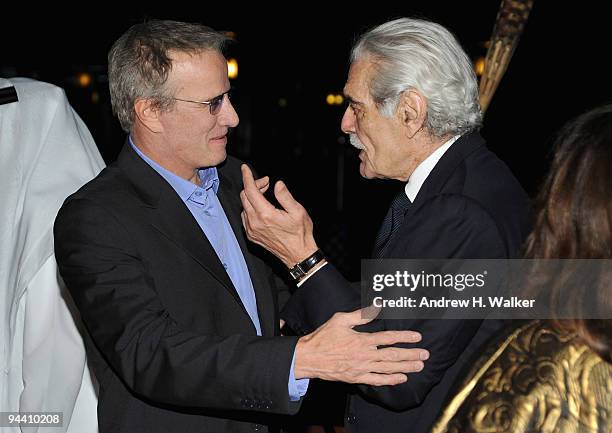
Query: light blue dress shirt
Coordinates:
[204,205]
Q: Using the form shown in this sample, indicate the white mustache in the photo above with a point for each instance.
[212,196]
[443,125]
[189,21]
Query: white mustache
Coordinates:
[356,142]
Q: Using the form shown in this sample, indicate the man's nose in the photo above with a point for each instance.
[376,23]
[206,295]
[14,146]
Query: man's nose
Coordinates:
[348,121]
[228,116]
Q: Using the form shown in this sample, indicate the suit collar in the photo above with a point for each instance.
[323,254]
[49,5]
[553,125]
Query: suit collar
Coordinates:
[229,196]
[208,177]
[146,182]
[438,178]
[422,171]
[455,155]
[169,215]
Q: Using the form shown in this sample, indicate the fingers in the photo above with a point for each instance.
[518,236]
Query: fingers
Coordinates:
[390,367]
[388,338]
[358,317]
[337,352]
[252,194]
[371,312]
[284,197]
[355,318]
[245,222]
[246,204]
[247,176]
[381,338]
[263,183]
[401,354]
[382,379]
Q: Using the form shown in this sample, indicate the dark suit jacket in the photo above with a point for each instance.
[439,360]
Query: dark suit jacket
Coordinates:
[470,206]
[172,345]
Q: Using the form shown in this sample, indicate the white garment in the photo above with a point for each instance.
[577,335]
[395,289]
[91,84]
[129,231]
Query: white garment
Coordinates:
[46,153]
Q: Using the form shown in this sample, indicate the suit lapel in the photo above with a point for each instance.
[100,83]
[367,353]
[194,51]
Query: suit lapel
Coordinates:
[229,196]
[171,217]
[438,178]
[447,165]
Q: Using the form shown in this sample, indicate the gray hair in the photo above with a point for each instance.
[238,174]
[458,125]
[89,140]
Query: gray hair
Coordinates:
[139,62]
[421,55]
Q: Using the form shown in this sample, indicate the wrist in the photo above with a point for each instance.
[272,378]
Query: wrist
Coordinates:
[302,268]
[311,272]
[301,255]
[300,370]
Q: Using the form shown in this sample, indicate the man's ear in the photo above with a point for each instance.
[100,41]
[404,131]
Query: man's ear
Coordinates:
[412,111]
[148,115]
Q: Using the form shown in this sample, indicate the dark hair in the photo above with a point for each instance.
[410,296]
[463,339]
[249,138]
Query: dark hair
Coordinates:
[574,213]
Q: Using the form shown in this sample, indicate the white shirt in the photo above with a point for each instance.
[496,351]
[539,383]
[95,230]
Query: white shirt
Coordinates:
[415,182]
[420,174]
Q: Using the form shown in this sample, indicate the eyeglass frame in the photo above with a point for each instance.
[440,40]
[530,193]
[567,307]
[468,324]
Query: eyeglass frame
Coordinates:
[219,99]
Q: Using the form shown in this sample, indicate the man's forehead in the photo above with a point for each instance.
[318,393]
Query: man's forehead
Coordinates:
[356,85]
[195,60]
[205,69]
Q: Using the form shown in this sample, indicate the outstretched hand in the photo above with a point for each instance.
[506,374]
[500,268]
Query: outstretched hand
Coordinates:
[335,351]
[287,232]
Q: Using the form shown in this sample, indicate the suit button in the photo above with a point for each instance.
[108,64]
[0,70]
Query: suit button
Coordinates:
[351,418]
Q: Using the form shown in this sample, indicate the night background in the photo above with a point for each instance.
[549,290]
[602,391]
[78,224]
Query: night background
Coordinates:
[291,57]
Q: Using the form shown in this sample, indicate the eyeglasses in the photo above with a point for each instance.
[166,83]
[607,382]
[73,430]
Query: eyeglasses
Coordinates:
[214,104]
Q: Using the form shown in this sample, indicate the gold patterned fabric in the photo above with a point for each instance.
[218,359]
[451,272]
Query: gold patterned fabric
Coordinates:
[538,379]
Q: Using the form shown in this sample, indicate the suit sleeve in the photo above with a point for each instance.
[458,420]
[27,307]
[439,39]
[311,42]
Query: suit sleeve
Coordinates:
[153,355]
[462,230]
[316,301]
[282,289]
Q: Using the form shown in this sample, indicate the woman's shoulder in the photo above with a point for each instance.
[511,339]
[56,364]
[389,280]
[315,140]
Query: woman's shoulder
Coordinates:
[537,377]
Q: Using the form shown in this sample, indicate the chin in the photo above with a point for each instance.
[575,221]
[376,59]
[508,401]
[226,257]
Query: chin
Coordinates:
[365,172]
[213,160]
[220,157]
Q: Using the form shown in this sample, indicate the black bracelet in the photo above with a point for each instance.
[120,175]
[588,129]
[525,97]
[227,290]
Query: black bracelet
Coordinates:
[302,268]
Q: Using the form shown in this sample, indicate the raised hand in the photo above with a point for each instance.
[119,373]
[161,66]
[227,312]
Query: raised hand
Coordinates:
[285,232]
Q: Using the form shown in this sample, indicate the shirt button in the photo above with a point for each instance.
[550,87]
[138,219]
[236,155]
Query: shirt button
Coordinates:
[199,193]
[225,266]
[351,418]
[206,213]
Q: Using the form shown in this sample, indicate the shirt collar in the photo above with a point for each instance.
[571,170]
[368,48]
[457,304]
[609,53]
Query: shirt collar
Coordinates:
[209,177]
[420,174]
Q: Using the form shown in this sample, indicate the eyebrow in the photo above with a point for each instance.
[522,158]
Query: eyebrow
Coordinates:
[221,94]
[350,100]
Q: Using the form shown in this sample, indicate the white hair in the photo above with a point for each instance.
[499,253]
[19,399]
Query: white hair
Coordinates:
[421,55]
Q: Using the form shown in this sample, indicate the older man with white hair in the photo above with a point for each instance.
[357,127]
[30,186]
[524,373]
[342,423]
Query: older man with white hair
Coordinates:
[413,113]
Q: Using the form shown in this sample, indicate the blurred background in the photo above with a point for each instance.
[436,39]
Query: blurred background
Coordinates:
[292,61]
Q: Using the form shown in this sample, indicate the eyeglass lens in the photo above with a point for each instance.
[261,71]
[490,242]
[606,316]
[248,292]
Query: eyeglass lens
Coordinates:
[217,102]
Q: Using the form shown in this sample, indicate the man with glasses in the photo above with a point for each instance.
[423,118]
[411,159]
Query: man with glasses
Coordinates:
[181,317]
